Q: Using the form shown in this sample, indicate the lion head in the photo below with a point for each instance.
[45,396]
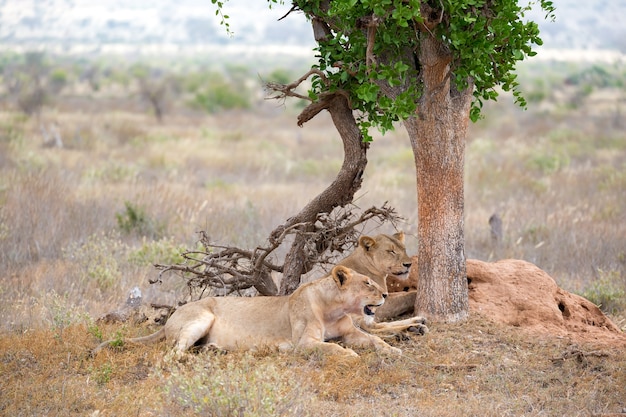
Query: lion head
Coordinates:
[359,291]
[383,258]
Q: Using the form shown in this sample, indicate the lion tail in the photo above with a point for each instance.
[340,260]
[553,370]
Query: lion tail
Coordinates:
[154,337]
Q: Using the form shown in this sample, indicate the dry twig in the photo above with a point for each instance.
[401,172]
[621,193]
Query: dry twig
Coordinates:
[233,269]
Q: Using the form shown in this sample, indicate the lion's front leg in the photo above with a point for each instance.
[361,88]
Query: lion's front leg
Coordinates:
[353,336]
[327,348]
[310,336]
[415,325]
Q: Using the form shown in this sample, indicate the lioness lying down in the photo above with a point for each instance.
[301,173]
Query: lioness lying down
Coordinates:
[384,259]
[313,314]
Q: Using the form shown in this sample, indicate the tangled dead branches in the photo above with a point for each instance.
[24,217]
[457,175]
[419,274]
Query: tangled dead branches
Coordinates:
[230,269]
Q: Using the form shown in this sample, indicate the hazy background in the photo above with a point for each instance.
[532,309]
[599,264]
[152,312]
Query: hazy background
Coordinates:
[127,126]
[69,25]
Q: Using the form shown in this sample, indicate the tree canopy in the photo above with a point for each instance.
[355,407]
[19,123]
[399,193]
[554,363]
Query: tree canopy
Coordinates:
[374,42]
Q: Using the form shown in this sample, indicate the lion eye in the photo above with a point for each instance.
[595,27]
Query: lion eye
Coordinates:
[391,251]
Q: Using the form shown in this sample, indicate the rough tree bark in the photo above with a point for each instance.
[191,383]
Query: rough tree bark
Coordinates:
[338,194]
[437,134]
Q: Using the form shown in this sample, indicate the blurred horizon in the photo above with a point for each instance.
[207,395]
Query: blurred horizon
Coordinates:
[84,27]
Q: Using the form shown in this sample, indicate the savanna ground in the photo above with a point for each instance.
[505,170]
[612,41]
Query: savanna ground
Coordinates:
[82,224]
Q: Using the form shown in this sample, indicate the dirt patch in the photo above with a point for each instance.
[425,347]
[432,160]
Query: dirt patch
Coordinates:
[520,294]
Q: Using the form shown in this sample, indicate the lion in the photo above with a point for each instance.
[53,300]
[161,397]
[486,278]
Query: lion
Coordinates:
[307,319]
[384,259]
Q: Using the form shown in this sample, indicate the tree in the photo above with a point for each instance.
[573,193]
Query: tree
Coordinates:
[31,84]
[429,64]
[156,88]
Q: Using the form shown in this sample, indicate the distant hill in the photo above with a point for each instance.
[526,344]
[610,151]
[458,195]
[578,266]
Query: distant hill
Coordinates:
[65,23]
[62,25]
[585,24]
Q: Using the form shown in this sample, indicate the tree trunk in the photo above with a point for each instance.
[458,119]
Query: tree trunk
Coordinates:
[437,133]
[339,193]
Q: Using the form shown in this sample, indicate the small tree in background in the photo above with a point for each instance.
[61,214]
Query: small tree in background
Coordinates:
[31,84]
[157,88]
[213,92]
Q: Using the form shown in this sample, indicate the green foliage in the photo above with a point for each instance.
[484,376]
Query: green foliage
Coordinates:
[31,83]
[548,163]
[214,93]
[608,292]
[94,330]
[61,314]
[486,40]
[58,80]
[223,17]
[134,219]
[281,76]
[118,340]
[164,251]
[103,374]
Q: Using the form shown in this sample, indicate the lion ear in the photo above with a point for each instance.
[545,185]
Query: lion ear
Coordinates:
[399,236]
[341,275]
[367,242]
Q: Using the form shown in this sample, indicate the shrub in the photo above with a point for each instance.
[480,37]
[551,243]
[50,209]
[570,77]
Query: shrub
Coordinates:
[135,219]
[62,313]
[163,251]
[216,93]
[102,374]
[607,292]
[97,259]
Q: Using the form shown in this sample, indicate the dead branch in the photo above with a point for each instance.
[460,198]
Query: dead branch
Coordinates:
[287,90]
[293,9]
[231,269]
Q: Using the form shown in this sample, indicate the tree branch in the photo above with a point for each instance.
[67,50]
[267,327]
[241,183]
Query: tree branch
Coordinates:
[287,90]
[233,269]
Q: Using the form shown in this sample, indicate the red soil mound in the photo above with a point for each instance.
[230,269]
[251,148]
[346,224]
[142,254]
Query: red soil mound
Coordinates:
[518,293]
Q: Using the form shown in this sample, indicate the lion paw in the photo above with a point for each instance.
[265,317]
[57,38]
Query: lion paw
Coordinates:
[419,329]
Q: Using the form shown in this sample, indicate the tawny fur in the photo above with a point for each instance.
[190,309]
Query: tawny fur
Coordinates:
[383,257]
[307,319]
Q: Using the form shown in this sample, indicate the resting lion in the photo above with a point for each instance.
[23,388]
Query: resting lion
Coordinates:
[384,259]
[313,314]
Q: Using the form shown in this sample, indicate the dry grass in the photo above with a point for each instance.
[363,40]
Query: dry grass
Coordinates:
[555,175]
[476,368]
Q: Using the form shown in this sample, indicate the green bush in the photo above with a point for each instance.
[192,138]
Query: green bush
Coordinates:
[607,292]
[135,219]
[163,251]
[214,93]
[102,375]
